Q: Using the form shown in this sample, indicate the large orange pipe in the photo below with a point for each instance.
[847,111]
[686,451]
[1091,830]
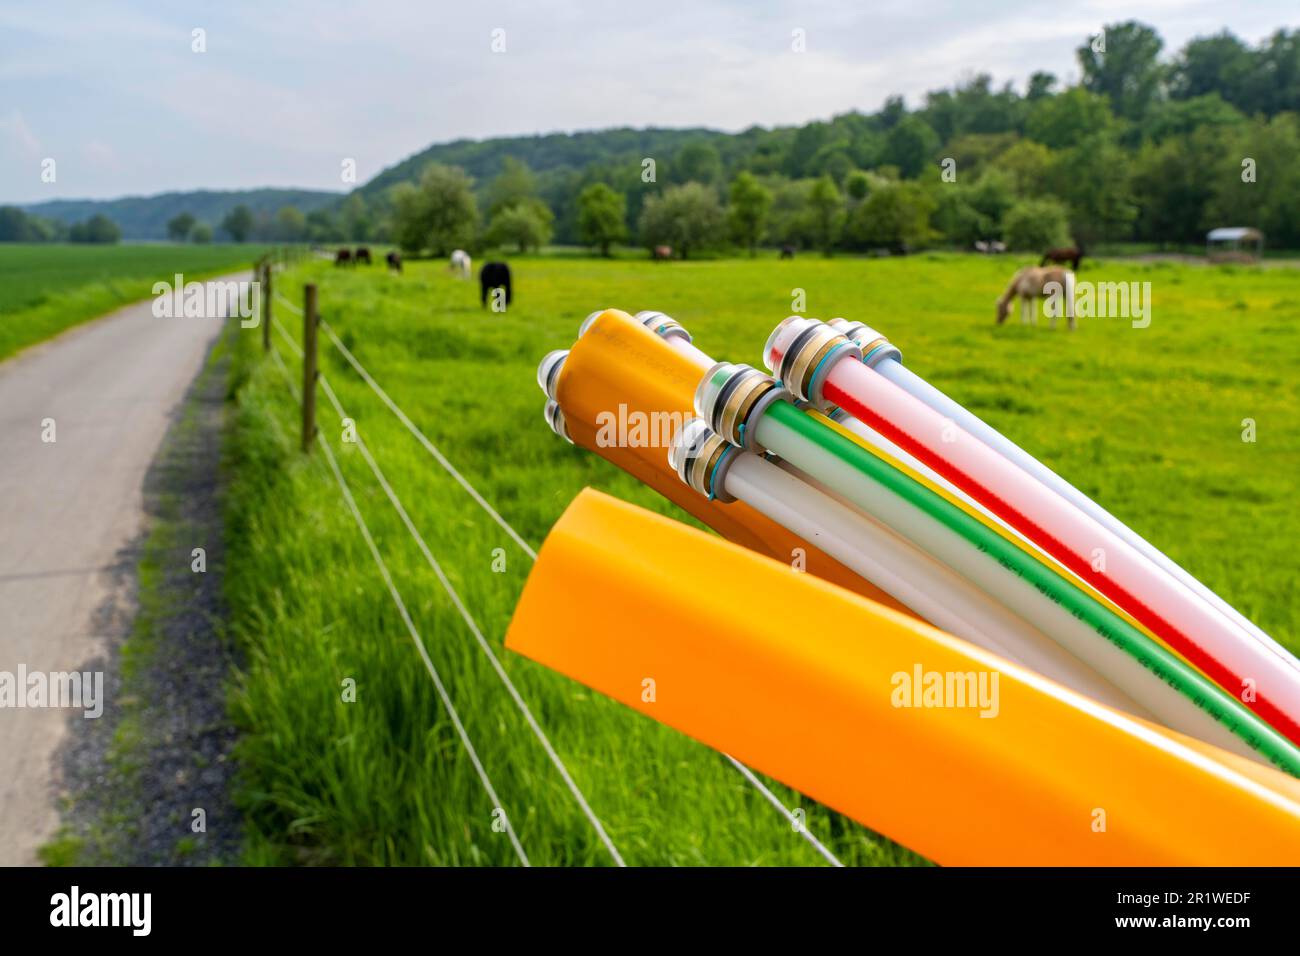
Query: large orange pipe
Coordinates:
[799,679]
[618,362]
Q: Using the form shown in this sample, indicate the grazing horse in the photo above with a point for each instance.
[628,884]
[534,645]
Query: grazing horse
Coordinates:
[787,251]
[1030,284]
[494,275]
[343,257]
[460,263]
[394,260]
[661,253]
[1066,254]
[361,255]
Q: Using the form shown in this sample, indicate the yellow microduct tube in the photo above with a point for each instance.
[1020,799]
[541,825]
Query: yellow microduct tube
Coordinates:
[619,372]
[809,683]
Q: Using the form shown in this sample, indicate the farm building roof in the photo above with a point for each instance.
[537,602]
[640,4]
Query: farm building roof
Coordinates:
[1233,233]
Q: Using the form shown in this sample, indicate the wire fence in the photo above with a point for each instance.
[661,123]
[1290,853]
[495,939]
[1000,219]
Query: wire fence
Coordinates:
[796,823]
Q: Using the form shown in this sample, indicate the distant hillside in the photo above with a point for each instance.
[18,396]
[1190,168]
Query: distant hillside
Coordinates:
[563,163]
[145,217]
[545,153]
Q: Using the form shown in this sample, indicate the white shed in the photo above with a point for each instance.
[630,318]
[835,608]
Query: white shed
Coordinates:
[1234,244]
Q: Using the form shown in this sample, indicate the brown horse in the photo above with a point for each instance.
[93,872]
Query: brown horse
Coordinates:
[1037,282]
[1065,254]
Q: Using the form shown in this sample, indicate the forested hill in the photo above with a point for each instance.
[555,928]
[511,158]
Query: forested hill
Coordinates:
[543,153]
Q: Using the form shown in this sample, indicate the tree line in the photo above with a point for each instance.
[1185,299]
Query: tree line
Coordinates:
[240,224]
[19,226]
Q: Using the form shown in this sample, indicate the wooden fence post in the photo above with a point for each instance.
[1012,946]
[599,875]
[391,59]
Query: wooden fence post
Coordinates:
[266,304]
[310,320]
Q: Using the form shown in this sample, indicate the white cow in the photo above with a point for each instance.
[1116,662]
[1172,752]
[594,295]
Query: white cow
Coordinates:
[460,263]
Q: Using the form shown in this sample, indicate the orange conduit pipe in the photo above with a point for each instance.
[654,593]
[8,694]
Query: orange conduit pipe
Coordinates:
[618,362]
[799,679]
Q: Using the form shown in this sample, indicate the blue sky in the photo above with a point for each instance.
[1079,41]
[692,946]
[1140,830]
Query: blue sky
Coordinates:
[289,89]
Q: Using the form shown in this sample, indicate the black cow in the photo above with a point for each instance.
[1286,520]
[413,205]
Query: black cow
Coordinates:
[394,260]
[361,255]
[494,275]
[343,257]
[787,251]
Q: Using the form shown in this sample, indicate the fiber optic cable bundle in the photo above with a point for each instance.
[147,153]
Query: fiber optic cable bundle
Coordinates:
[875,474]
[820,364]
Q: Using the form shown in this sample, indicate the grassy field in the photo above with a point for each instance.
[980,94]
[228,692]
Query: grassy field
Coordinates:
[46,288]
[1149,421]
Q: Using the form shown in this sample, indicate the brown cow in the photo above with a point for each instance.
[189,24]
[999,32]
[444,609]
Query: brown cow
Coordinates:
[343,257]
[661,253]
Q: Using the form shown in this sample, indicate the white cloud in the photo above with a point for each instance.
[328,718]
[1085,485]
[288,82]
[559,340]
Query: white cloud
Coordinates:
[15,133]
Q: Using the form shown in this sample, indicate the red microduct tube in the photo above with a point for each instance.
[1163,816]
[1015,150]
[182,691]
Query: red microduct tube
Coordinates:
[809,357]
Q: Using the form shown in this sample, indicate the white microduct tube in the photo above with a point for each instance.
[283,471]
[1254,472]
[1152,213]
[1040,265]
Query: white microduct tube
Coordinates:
[914,385]
[1167,705]
[899,568]
[1172,611]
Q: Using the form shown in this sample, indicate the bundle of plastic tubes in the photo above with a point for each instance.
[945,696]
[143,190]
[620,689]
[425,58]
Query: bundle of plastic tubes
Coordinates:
[861,374]
[907,498]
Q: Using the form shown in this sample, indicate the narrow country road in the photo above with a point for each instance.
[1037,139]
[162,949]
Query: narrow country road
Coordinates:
[71,513]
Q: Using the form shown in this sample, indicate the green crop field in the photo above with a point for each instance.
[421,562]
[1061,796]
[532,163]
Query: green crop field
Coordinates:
[46,288]
[1149,421]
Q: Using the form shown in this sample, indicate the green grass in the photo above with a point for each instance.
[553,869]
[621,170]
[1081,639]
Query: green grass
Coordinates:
[1146,420]
[46,288]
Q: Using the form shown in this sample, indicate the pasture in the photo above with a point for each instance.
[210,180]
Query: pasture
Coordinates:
[46,288]
[1149,421]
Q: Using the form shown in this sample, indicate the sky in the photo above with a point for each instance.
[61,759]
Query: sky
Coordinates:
[286,92]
